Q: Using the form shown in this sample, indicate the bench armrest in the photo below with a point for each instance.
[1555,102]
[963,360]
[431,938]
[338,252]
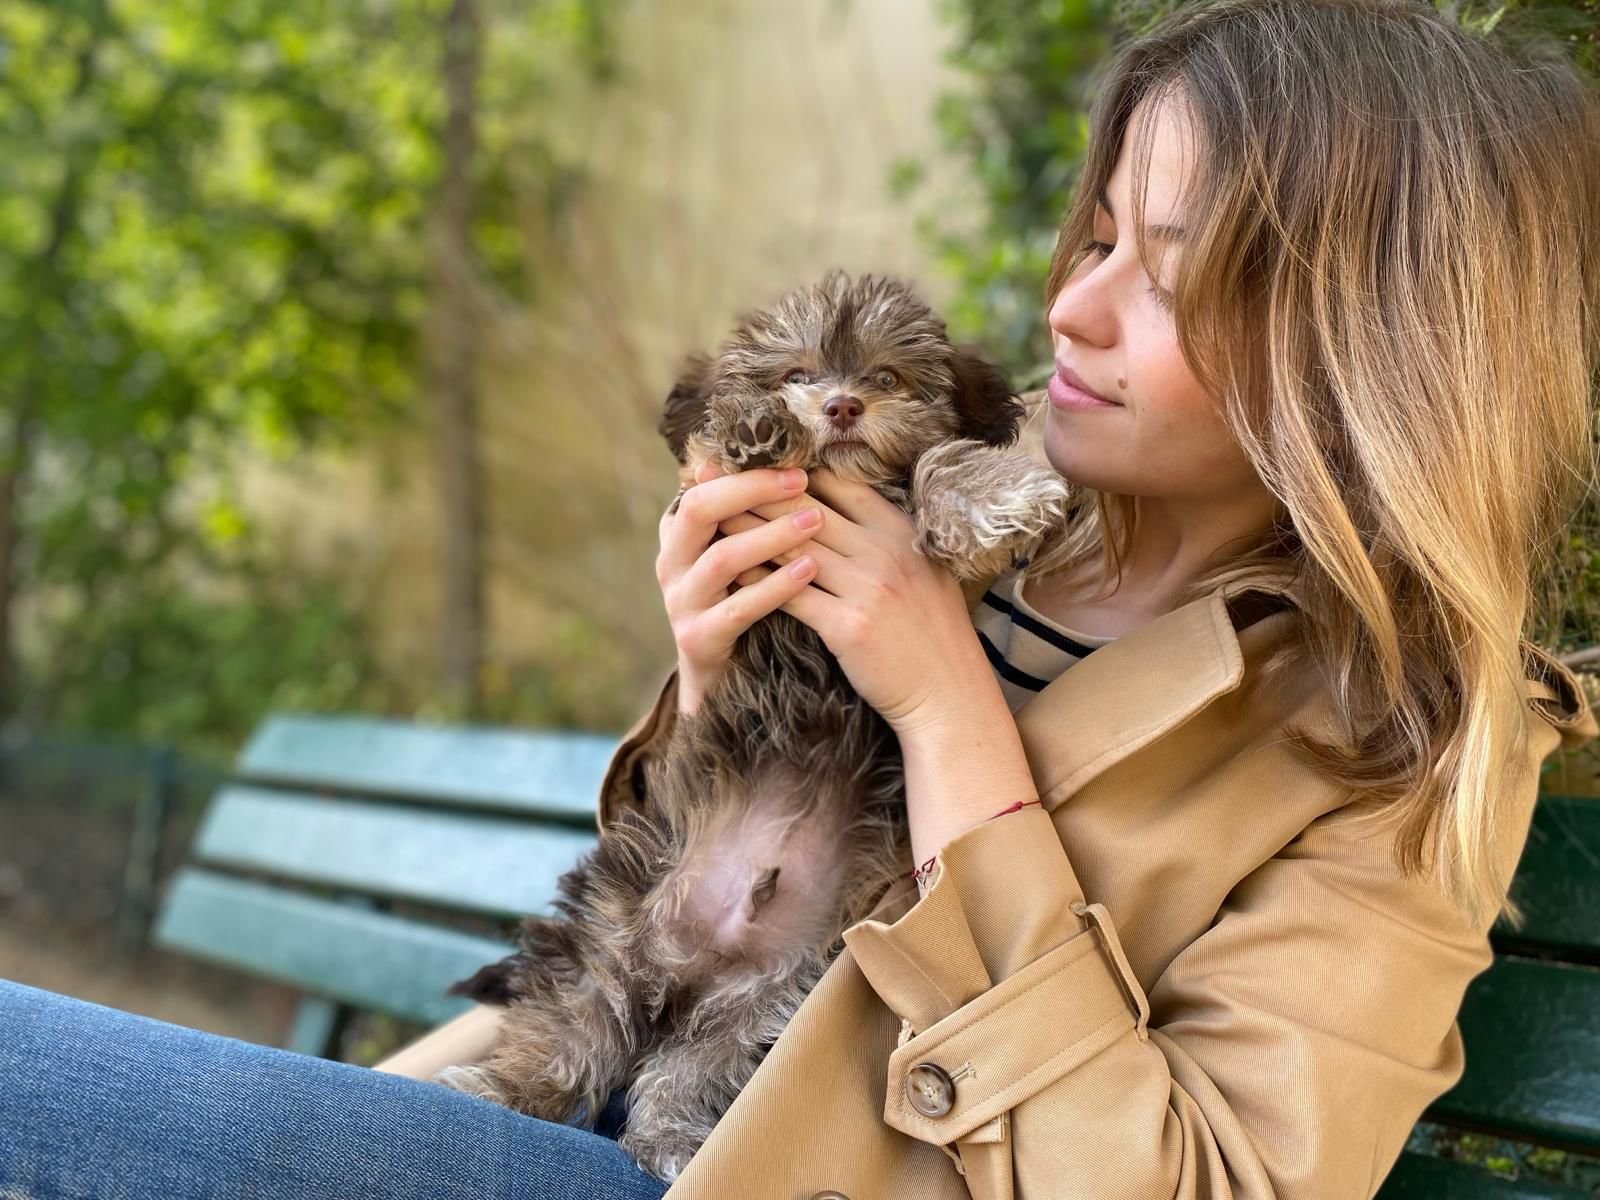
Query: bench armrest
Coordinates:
[460,1040]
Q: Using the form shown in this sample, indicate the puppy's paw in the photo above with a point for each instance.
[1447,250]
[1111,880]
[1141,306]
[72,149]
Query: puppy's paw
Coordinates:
[760,435]
[663,1155]
[980,510]
[474,1081]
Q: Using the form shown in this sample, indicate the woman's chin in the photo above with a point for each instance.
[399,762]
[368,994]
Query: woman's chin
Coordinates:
[1077,463]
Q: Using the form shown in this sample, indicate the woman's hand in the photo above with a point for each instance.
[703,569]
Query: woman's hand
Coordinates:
[899,626]
[696,574]
[897,622]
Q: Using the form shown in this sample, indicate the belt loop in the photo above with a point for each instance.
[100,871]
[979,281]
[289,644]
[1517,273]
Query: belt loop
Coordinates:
[1097,916]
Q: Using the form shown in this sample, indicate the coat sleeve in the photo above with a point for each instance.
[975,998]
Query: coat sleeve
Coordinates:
[1286,1052]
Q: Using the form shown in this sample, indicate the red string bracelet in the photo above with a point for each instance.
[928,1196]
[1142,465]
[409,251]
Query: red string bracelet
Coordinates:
[918,872]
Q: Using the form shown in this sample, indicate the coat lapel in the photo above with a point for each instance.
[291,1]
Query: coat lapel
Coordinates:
[1127,694]
[1122,697]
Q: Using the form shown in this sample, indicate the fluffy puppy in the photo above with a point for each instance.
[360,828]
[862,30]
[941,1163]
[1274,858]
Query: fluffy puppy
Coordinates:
[774,818]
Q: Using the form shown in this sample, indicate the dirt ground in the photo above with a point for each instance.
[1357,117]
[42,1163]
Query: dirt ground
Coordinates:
[153,984]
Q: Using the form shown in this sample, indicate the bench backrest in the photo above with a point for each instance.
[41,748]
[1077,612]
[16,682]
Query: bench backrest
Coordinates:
[1531,1022]
[334,822]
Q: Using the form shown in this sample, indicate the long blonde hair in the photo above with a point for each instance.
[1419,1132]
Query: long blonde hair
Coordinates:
[1391,281]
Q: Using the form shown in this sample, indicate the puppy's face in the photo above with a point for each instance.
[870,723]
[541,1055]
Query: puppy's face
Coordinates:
[862,367]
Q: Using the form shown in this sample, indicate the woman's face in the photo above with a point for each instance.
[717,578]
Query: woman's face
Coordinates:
[1156,433]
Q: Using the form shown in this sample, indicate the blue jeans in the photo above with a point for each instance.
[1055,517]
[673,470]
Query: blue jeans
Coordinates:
[97,1104]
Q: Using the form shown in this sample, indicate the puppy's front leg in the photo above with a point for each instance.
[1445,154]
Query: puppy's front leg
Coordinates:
[674,1103]
[978,508]
[687,1081]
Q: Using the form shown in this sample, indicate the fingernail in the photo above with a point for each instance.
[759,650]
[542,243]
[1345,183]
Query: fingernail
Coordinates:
[800,567]
[793,478]
[808,518]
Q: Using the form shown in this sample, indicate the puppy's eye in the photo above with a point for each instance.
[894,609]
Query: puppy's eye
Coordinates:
[798,375]
[886,378]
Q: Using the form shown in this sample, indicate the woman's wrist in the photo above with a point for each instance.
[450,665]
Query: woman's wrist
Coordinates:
[692,688]
[962,767]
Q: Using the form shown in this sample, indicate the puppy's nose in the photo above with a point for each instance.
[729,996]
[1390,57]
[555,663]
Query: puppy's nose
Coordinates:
[843,411]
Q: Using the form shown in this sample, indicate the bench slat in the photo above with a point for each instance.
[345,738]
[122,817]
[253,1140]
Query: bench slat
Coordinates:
[1558,880]
[1421,1177]
[539,772]
[353,954]
[1533,1055]
[464,861]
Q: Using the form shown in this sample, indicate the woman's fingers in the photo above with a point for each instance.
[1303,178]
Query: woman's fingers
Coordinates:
[709,577]
[782,508]
[810,602]
[687,532]
[829,561]
[716,629]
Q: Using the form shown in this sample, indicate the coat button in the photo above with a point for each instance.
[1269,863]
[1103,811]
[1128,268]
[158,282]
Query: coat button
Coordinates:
[930,1089]
[830,1196]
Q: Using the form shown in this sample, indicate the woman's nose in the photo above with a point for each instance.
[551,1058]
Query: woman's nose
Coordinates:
[1083,311]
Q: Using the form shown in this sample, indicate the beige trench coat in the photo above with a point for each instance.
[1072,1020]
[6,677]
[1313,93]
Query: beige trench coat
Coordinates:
[1182,976]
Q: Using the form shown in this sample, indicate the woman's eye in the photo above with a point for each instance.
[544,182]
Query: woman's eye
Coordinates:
[798,375]
[1164,299]
[886,379]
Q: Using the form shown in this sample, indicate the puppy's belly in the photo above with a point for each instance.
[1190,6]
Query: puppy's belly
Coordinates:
[759,882]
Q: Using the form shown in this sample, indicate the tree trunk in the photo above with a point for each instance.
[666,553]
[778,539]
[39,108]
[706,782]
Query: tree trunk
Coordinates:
[18,450]
[18,457]
[452,358]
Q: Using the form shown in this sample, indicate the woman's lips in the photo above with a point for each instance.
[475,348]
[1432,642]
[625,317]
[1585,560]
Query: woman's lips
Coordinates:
[1067,394]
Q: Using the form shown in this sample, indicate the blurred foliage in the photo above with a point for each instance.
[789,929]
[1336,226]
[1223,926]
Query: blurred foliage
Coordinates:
[1508,1159]
[166,662]
[1021,124]
[213,240]
[371,1037]
[208,246]
[212,247]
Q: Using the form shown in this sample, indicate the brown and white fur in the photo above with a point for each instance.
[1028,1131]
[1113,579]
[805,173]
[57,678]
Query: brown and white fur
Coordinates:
[774,818]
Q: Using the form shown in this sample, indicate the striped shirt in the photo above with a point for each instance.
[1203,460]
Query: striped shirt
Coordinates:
[1026,649]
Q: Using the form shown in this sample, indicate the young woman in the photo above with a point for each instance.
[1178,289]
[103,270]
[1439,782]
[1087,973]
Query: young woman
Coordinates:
[1221,806]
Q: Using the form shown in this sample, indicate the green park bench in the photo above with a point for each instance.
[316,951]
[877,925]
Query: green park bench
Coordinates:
[330,824]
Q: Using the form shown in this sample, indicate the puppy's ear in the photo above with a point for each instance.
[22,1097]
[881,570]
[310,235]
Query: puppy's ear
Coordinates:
[685,406]
[491,984]
[987,407]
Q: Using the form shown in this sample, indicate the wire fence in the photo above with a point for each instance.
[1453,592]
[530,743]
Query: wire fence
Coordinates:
[90,830]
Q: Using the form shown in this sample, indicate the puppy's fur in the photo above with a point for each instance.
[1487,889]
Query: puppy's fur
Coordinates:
[775,818]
